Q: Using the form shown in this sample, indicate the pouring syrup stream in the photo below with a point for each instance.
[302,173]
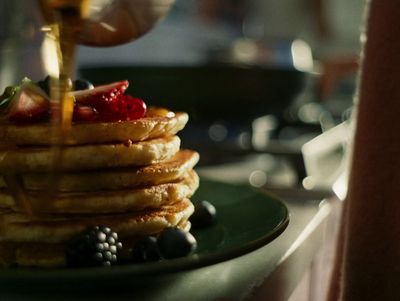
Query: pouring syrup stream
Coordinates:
[64,19]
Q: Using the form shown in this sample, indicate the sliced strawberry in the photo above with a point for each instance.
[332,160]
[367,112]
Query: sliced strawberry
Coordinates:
[101,96]
[29,104]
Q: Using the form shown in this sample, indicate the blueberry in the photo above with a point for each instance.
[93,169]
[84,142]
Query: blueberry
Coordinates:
[174,243]
[82,84]
[45,84]
[204,215]
[146,249]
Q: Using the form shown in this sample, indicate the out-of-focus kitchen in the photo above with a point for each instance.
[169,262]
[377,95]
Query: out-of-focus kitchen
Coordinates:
[269,87]
[262,81]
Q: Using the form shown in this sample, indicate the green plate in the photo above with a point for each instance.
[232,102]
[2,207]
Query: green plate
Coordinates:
[247,219]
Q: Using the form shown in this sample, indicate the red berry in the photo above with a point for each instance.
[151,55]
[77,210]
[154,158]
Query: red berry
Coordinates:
[101,96]
[84,113]
[123,108]
[110,102]
[133,108]
[29,105]
[103,103]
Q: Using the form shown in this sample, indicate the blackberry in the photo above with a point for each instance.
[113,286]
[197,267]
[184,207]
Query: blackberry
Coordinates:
[95,246]
[175,243]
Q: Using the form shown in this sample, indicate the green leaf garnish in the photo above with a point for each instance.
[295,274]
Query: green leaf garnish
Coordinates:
[7,96]
[10,91]
[4,103]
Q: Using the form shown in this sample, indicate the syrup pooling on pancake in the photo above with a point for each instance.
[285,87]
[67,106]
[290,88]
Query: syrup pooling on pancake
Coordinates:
[128,174]
[146,128]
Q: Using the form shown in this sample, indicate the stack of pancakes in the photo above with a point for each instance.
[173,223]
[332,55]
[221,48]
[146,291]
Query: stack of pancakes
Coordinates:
[130,176]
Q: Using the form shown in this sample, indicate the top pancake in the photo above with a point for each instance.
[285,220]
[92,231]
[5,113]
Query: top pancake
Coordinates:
[96,133]
[92,156]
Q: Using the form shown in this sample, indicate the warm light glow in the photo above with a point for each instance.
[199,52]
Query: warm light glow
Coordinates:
[309,183]
[340,186]
[217,132]
[302,56]
[262,128]
[108,27]
[49,54]
[258,178]
[97,6]
[325,159]
[244,50]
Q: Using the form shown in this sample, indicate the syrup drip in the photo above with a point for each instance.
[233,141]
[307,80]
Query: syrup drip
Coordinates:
[64,18]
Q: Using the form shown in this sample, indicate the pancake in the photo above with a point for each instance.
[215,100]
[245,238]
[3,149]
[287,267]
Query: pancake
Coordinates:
[16,227]
[39,254]
[32,255]
[32,159]
[108,201]
[166,171]
[96,133]
[129,175]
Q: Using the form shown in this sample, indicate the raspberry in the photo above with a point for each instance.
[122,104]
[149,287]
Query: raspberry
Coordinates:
[124,107]
[134,108]
[110,103]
